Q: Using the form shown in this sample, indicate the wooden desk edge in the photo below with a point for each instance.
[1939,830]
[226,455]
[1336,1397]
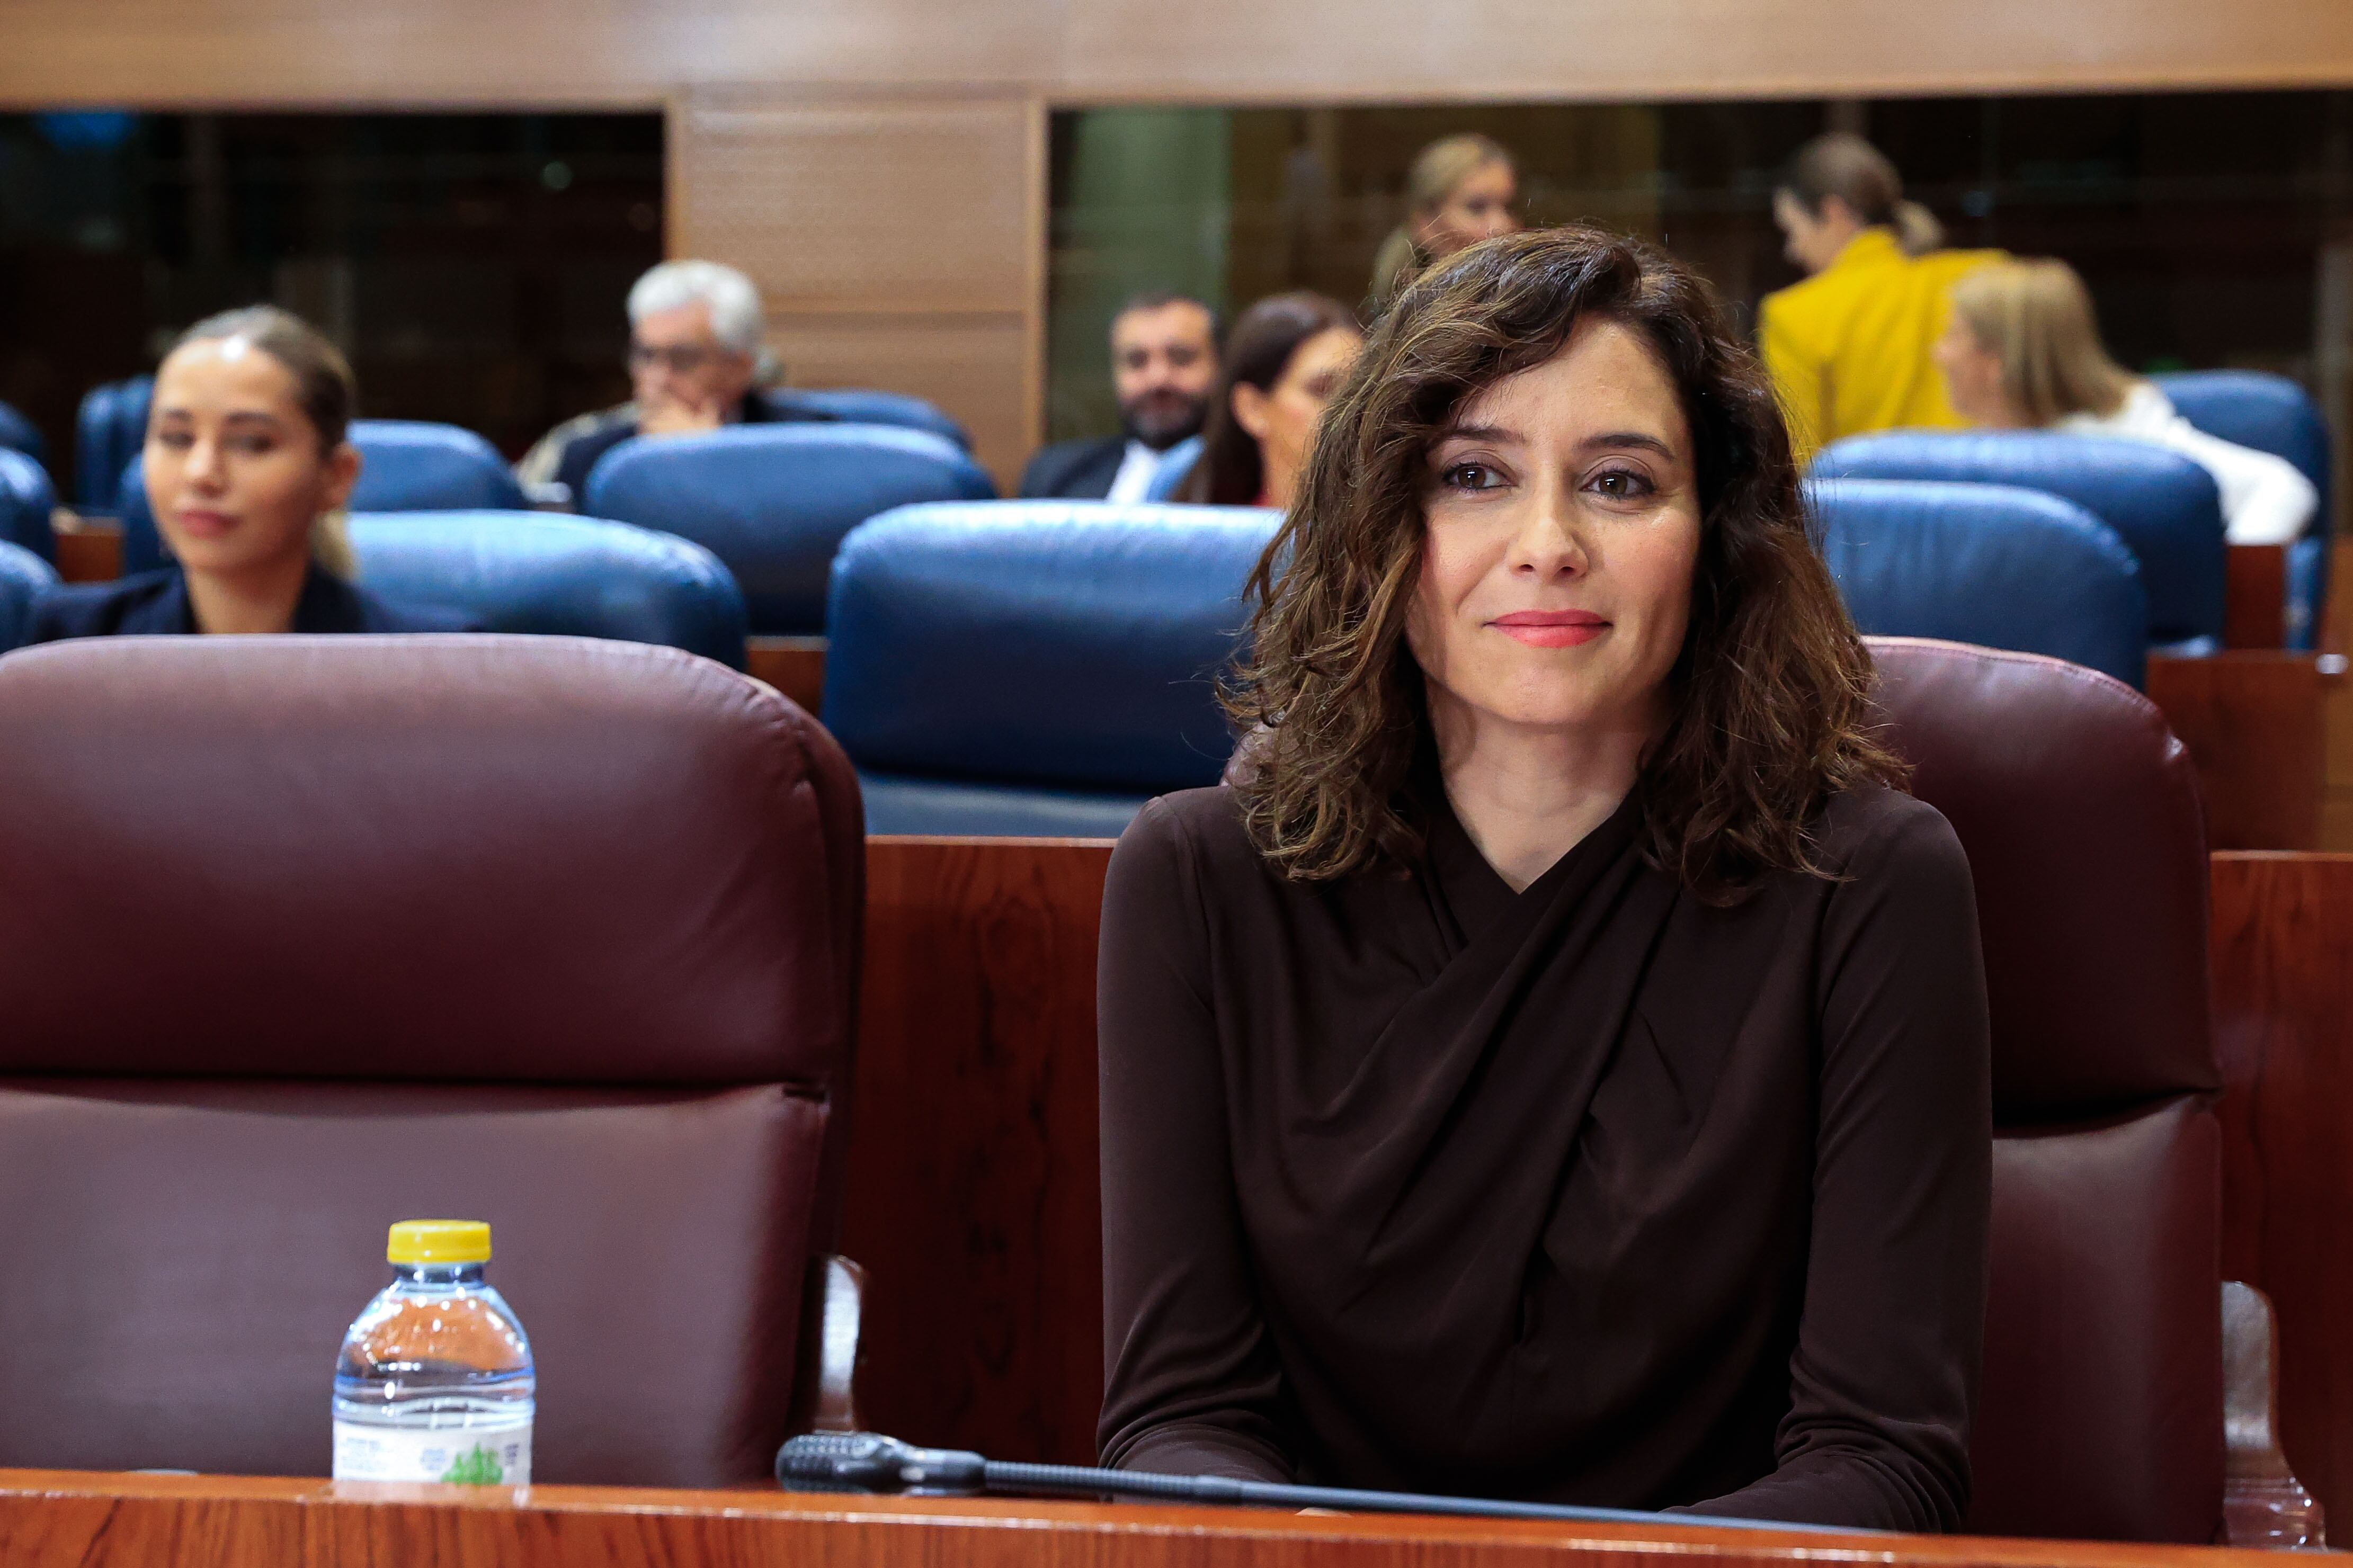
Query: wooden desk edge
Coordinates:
[24,1489]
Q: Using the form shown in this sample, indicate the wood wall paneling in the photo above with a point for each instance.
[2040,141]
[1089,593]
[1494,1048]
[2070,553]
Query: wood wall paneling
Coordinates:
[2254,723]
[973,1190]
[2282,938]
[898,243]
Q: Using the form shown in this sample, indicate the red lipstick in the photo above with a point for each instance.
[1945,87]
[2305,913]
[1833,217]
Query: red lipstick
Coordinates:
[1551,628]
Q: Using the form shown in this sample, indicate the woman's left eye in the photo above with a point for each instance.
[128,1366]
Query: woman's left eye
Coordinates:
[1470,477]
[1621,484]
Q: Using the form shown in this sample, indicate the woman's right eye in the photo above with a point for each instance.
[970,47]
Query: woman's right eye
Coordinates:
[1470,477]
[175,438]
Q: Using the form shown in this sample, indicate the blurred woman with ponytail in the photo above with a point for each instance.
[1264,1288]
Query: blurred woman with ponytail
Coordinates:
[1852,348]
[1460,190]
[248,471]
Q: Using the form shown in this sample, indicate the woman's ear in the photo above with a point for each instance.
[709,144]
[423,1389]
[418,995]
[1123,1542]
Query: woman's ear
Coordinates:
[344,466]
[1249,403]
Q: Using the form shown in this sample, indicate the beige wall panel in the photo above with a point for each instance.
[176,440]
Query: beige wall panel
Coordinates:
[976,367]
[1242,50]
[153,53]
[859,206]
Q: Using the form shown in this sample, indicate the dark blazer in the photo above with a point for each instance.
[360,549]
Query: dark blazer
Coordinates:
[581,453]
[156,603]
[1074,471]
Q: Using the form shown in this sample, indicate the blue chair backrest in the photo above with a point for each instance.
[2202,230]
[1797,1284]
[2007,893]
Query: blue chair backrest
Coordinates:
[1991,564]
[406,464]
[773,501]
[24,578]
[569,576]
[2269,412]
[18,434]
[108,433]
[856,405]
[2163,506]
[1064,644]
[26,500]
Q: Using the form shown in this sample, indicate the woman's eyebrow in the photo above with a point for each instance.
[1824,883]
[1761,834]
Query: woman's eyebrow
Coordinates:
[1498,434]
[1622,438]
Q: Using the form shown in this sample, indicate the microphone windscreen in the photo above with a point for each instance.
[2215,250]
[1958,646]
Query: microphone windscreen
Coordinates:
[839,1462]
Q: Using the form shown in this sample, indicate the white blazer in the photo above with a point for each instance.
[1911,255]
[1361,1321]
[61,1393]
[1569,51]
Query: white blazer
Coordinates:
[2266,499]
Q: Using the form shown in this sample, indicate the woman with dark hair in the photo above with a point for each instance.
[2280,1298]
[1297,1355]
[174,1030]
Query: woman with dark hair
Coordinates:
[1556,1065]
[248,471]
[1284,358]
[1851,348]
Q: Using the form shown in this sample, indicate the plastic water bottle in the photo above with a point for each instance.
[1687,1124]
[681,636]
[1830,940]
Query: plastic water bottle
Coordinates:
[434,1380]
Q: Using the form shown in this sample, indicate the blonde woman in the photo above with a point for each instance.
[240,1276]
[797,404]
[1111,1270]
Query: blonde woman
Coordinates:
[1459,191]
[248,471]
[2023,352]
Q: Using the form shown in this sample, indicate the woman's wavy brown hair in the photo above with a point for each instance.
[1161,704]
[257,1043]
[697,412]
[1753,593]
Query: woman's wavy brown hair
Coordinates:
[1768,701]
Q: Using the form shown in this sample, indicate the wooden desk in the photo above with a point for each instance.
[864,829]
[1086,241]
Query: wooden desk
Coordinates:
[50,1518]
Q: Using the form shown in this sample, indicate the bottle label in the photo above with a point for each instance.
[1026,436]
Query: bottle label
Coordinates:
[467,1455]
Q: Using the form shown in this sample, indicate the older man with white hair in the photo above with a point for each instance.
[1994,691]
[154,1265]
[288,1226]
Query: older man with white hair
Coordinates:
[695,330]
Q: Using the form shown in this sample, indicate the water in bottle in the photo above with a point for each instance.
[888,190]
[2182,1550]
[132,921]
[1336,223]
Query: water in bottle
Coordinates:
[435,1381]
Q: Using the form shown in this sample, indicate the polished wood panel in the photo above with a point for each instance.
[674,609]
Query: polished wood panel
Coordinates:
[794,666]
[2254,724]
[2255,608]
[300,53]
[973,1188]
[898,243]
[2281,942]
[50,1518]
[89,550]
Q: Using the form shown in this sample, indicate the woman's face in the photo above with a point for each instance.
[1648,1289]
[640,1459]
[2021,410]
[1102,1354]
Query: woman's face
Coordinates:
[1561,534]
[1479,208]
[234,472]
[1281,418]
[1973,376]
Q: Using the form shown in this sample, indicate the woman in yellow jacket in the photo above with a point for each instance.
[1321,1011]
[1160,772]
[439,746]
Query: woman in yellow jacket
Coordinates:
[1852,347]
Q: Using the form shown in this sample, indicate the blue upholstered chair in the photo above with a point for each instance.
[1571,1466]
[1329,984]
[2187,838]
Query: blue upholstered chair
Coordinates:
[1035,669]
[24,577]
[571,576]
[773,501]
[2270,414]
[858,406]
[26,501]
[2163,506]
[18,434]
[108,433]
[1991,565]
[407,465]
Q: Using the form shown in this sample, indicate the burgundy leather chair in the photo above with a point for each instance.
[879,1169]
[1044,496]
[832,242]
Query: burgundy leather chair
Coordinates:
[2100,1409]
[301,936]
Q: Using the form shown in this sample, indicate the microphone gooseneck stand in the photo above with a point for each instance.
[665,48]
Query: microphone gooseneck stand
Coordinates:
[869,1462]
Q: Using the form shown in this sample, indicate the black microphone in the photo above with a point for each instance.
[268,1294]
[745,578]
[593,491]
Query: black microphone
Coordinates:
[869,1462]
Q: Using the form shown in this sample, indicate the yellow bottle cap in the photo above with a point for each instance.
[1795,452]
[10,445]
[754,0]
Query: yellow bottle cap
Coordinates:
[440,1241]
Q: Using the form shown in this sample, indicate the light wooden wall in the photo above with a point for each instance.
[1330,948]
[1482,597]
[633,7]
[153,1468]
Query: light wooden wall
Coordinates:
[877,164]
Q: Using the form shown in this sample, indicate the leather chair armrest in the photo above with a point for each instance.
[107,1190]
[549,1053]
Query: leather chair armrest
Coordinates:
[2262,1502]
[824,1388]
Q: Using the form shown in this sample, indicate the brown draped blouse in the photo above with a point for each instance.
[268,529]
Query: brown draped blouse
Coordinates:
[1586,1193]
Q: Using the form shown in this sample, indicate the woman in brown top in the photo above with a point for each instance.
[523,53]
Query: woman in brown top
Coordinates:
[1557,1066]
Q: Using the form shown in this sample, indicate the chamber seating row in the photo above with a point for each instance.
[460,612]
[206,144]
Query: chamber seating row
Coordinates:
[567,935]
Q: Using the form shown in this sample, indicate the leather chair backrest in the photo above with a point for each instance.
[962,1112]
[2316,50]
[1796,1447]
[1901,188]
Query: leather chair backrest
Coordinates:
[1064,644]
[26,500]
[773,501]
[108,432]
[24,578]
[859,406]
[1991,565]
[18,434]
[575,576]
[406,464]
[2163,506]
[2100,1409]
[2255,408]
[304,935]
